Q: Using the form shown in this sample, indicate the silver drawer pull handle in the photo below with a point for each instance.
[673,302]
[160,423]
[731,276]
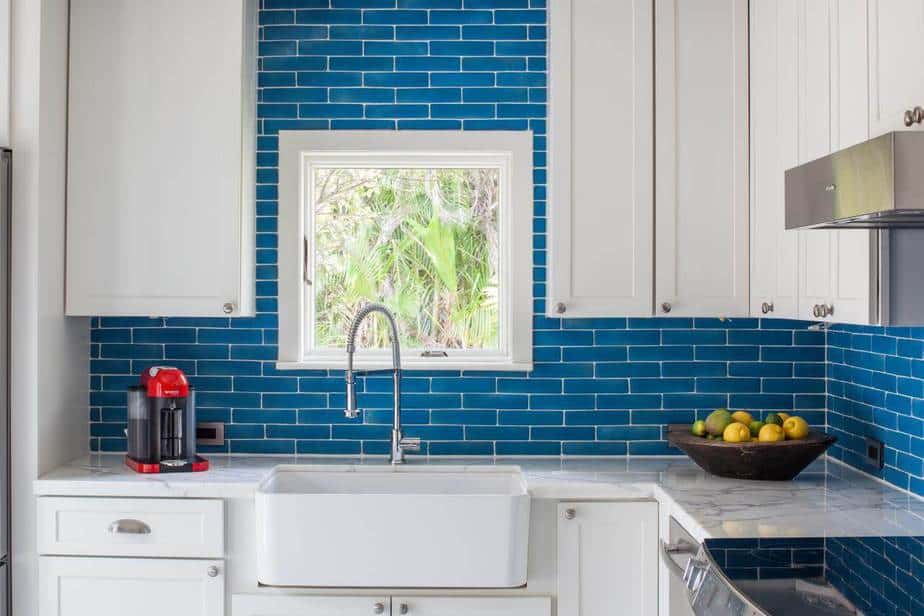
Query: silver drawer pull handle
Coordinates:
[681,547]
[129,527]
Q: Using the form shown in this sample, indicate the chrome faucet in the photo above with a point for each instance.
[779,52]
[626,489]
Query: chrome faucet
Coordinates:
[399,444]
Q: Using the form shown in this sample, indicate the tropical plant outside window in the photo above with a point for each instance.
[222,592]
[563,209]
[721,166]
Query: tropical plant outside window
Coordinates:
[422,241]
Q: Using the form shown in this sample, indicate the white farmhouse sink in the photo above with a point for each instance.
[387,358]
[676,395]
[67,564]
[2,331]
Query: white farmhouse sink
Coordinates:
[355,526]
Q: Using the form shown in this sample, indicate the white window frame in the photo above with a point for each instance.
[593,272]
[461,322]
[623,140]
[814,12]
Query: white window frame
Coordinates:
[300,152]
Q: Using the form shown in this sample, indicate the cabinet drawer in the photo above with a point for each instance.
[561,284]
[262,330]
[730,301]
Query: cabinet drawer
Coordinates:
[181,528]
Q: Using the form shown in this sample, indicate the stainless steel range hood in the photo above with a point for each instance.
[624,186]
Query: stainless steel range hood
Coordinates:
[878,184]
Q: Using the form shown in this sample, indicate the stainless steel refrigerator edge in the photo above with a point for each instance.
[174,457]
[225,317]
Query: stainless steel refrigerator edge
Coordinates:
[6,161]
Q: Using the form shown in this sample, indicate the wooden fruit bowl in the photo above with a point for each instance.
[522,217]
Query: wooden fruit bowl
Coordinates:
[780,461]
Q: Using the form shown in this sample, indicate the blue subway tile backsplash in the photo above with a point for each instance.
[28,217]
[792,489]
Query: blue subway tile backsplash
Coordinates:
[875,390]
[601,386]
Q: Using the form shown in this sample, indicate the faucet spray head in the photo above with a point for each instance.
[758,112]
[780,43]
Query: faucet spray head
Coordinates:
[351,410]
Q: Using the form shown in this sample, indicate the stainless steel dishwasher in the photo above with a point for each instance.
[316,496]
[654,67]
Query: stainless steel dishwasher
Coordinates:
[740,577]
[680,548]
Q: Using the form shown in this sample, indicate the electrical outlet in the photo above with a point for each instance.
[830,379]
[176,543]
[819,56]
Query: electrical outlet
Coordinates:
[875,453]
[210,433]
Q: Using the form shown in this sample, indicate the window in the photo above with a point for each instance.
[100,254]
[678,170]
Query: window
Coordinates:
[436,226]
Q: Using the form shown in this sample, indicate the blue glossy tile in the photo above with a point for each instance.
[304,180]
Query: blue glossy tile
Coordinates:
[329,447]
[696,401]
[661,353]
[693,368]
[594,448]
[466,448]
[630,369]
[597,418]
[562,433]
[527,448]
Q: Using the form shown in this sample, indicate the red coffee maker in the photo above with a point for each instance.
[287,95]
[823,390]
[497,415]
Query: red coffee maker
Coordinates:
[162,423]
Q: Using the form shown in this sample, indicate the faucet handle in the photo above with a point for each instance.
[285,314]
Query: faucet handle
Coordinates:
[410,444]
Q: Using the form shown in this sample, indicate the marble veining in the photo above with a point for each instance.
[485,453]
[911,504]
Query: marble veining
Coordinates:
[829,499]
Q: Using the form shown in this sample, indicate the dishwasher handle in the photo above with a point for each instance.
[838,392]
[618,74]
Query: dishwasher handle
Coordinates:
[681,546]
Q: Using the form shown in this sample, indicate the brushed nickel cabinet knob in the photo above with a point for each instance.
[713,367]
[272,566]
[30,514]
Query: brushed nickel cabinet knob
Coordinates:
[914,116]
[212,571]
[570,514]
[378,608]
[666,307]
[560,308]
[227,308]
[766,307]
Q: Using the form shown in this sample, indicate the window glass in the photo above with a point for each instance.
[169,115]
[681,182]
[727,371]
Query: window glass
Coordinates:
[422,241]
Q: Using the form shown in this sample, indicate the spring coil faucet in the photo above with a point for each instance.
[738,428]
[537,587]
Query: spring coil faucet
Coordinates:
[399,444]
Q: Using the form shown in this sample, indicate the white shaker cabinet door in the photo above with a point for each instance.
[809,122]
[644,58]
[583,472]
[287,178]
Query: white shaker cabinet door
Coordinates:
[160,187]
[814,141]
[774,148]
[608,558]
[701,190]
[141,587]
[896,63]
[855,258]
[601,113]
[838,269]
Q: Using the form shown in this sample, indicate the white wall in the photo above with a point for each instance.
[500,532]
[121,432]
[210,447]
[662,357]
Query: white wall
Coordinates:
[50,353]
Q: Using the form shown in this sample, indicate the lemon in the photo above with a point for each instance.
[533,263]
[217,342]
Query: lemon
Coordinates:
[771,433]
[773,418]
[755,427]
[783,416]
[742,417]
[795,428]
[736,433]
[698,428]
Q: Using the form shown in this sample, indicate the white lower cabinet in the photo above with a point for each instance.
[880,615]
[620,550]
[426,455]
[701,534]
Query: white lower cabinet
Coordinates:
[608,558]
[75,586]
[320,605]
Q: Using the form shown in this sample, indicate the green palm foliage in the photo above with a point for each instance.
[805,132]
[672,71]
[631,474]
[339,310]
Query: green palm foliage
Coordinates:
[421,241]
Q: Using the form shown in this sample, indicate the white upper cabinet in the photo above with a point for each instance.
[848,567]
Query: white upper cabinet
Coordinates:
[809,92]
[603,242]
[774,148]
[701,145]
[161,158]
[896,62]
[838,271]
[814,121]
[601,208]
[855,252]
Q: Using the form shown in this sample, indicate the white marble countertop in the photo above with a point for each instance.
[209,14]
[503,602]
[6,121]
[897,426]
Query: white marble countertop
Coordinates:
[828,499]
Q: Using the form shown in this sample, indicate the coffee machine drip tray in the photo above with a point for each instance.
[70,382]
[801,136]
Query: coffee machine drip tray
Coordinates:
[168,466]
